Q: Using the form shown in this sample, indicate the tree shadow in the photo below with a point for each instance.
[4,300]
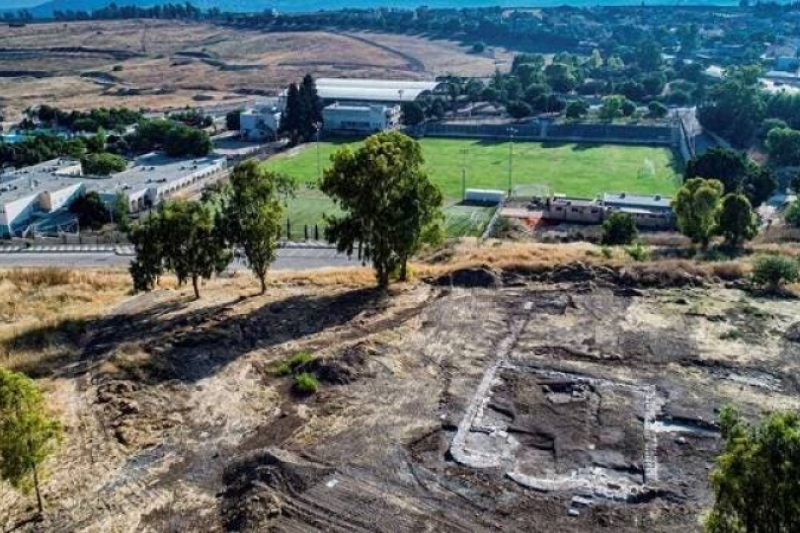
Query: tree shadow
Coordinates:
[188,345]
[584,147]
[554,144]
[487,142]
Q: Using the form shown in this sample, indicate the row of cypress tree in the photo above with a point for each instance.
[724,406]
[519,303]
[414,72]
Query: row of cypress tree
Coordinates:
[302,115]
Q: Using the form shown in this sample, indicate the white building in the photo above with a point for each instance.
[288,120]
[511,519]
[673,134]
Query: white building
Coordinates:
[389,92]
[260,124]
[32,192]
[154,177]
[359,119]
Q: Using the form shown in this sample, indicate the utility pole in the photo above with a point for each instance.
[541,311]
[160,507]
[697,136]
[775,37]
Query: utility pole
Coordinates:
[511,132]
[464,174]
[318,129]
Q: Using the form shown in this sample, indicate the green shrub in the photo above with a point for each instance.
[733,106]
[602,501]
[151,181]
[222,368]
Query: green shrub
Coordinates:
[792,214]
[293,363]
[306,383]
[774,271]
[607,252]
[638,252]
[619,228]
[732,335]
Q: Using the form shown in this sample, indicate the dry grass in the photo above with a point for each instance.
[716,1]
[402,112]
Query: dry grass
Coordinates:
[445,57]
[44,312]
[500,255]
[152,64]
[505,254]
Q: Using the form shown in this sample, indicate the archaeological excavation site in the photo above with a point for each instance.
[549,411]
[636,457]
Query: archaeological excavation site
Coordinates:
[580,399]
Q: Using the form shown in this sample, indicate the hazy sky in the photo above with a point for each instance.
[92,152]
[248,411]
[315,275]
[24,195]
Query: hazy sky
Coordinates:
[20,3]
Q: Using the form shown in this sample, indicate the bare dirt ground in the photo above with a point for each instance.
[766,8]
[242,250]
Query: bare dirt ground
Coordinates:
[170,64]
[460,404]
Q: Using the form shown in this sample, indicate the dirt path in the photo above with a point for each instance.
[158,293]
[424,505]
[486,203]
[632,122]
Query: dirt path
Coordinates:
[414,64]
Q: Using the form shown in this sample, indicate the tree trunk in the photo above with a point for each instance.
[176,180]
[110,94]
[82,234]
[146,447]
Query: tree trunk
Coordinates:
[38,493]
[262,278]
[196,287]
[383,277]
[404,270]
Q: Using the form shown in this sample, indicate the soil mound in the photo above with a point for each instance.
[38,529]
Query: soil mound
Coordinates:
[793,332]
[261,485]
[482,277]
[343,369]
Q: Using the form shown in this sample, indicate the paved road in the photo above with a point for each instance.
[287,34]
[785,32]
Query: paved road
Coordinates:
[288,259]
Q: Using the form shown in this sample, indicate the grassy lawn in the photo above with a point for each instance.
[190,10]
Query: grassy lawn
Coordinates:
[583,170]
[309,206]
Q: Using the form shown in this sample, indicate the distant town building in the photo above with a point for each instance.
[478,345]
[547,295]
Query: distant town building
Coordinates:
[575,210]
[388,92]
[260,124]
[154,177]
[35,192]
[359,119]
[652,212]
[648,211]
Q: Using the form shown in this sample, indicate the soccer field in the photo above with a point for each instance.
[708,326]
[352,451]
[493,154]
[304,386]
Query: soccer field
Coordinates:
[582,170]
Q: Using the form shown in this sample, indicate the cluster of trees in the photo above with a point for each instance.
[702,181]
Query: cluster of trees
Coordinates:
[755,478]
[704,211]
[720,189]
[389,210]
[103,164]
[534,86]
[19,16]
[302,117]
[195,240]
[616,106]
[93,213]
[114,11]
[783,146]
[114,119]
[736,172]
[192,117]
[183,237]
[38,148]
[616,34]
[101,153]
[742,112]
[174,138]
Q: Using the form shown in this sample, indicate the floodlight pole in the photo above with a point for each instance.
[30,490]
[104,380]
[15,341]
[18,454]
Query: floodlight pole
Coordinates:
[464,174]
[318,129]
[511,132]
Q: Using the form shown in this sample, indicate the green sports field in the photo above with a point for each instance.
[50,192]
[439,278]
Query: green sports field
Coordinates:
[582,170]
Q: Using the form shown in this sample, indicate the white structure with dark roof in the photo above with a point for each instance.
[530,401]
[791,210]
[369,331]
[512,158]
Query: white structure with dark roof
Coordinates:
[648,211]
[359,119]
[35,191]
[260,123]
[637,201]
[375,91]
[576,210]
[653,212]
[154,177]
